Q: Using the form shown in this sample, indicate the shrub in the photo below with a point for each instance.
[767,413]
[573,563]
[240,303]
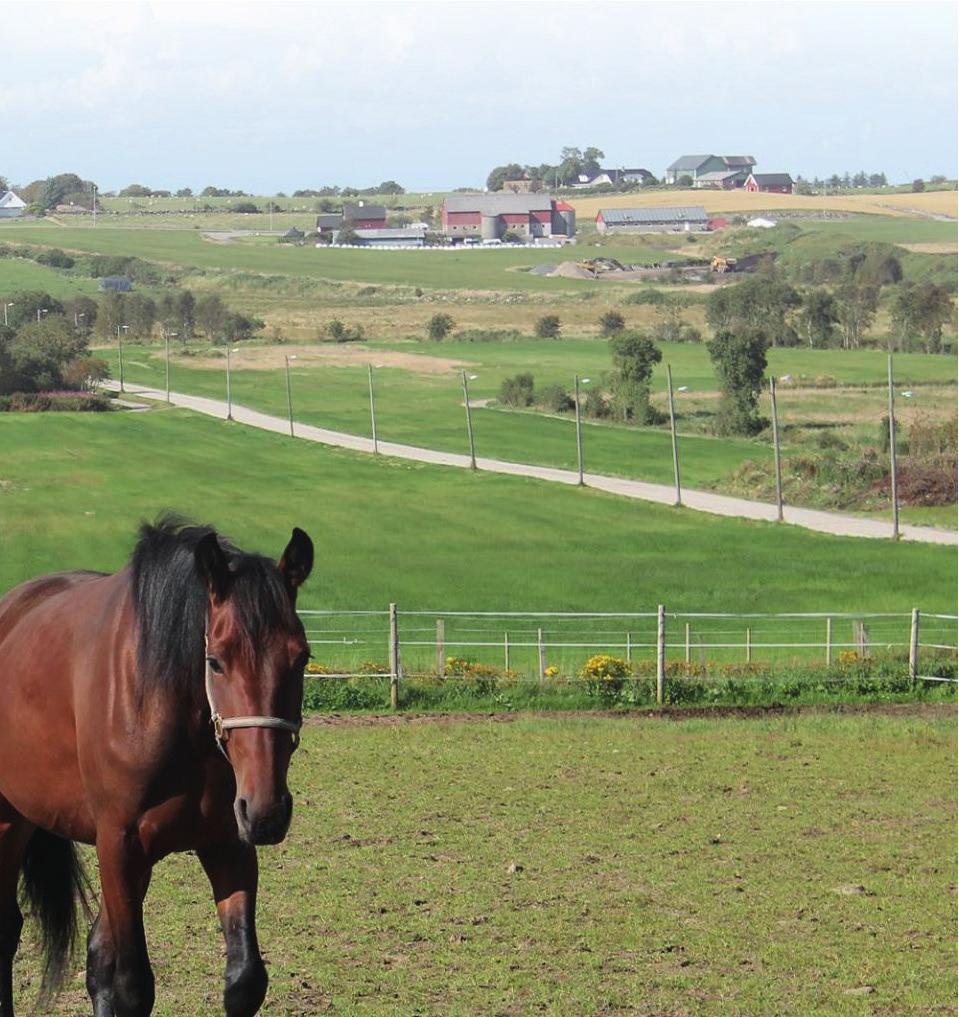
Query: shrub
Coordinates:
[596,405]
[517,391]
[340,332]
[439,327]
[555,399]
[604,676]
[548,327]
[611,322]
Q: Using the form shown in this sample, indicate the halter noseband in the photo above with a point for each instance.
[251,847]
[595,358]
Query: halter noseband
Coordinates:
[224,724]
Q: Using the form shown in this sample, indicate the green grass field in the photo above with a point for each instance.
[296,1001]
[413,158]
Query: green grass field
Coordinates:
[74,487]
[702,868]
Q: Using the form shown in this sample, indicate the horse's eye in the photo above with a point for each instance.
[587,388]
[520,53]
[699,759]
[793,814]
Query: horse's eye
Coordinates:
[214,665]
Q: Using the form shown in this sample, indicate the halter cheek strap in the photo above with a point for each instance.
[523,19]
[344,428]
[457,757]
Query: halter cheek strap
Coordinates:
[223,724]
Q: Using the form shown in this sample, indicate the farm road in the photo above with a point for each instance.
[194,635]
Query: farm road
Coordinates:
[701,501]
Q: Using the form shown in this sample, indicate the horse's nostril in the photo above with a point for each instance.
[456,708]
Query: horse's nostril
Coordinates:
[241,809]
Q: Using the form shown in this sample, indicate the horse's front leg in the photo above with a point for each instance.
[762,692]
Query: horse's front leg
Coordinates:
[118,949]
[232,871]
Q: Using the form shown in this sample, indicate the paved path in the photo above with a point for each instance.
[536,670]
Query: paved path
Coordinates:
[702,501]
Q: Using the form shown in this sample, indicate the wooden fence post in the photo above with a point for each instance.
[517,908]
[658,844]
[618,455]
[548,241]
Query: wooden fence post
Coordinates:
[749,645]
[828,642]
[394,659]
[914,647]
[505,651]
[688,657]
[629,648]
[542,654]
[440,648]
[660,653]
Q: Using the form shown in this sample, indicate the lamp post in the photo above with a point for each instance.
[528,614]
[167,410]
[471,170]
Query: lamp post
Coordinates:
[40,311]
[77,317]
[469,417]
[289,392]
[167,336]
[5,306]
[120,330]
[229,384]
[376,448]
[893,479]
[579,430]
[777,458]
[672,430]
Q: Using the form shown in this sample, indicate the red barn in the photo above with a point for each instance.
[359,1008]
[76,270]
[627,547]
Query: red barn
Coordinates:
[491,216]
[365,217]
[771,183]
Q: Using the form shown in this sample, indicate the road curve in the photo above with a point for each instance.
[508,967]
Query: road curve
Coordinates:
[702,501]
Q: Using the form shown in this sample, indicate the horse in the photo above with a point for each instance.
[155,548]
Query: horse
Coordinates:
[149,711]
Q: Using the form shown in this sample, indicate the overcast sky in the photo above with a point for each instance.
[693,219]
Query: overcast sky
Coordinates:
[270,97]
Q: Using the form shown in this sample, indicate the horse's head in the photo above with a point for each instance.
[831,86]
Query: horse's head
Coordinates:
[256,652]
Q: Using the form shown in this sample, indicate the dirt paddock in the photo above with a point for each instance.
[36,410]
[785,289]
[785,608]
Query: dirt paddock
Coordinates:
[270,358]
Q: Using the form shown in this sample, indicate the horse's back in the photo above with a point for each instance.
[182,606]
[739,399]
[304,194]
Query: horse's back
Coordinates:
[22,600]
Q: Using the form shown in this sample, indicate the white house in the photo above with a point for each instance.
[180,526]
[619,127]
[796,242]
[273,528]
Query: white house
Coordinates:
[11,205]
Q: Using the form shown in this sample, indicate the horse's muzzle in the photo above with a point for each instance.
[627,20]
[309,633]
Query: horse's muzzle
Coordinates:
[267,826]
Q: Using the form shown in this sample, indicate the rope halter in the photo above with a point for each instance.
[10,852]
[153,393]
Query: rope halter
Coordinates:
[223,724]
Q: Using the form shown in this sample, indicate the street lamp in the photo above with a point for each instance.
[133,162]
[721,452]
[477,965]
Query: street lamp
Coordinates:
[672,431]
[120,328]
[229,387]
[289,392]
[5,306]
[167,336]
[76,318]
[376,447]
[579,430]
[469,417]
[40,310]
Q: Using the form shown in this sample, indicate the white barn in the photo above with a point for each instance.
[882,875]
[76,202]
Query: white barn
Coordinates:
[11,205]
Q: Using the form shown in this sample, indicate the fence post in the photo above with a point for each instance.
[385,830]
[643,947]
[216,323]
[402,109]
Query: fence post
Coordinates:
[629,648]
[828,642]
[440,648]
[394,660]
[688,657]
[749,645]
[914,647]
[702,652]
[660,653]
[506,651]
[542,654]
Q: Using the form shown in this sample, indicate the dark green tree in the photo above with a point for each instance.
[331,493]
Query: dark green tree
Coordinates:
[763,302]
[517,391]
[919,312]
[439,327]
[818,318]
[26,303]
[610,323]
[548,327]
[739,357]
[211,316]
[40,352]
[634,357]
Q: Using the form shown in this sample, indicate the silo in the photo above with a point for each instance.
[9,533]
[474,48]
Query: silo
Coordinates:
[489,226]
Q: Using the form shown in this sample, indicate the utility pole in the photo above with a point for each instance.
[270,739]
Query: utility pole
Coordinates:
[167,336]
[120,329]
[369,370]
[229,386]
[579,432]
[776,454]
[289,393]
[469,421]
[672,428]
[892,455]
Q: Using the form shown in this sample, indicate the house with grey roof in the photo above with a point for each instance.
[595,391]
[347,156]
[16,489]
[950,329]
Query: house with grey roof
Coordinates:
[694,166]
[11,205]
[677,219]
[490,216]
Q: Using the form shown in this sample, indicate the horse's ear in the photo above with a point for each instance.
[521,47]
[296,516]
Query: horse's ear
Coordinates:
[212,565]
[297,560]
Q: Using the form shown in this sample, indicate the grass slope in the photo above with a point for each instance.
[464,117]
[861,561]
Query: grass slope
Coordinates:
[73,489]
[799,865]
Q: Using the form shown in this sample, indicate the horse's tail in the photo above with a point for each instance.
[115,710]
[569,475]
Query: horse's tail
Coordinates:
[54,884]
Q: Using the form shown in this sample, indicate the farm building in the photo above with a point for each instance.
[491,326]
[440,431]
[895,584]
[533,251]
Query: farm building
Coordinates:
[694,166]
[328,223]
[365,217]
[614,177]
[680,219]
[489,216]
[723,180]
[401,236]
[773,183]
[11,205]
[520,185]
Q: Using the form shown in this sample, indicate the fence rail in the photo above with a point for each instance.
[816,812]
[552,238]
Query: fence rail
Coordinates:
[659,645]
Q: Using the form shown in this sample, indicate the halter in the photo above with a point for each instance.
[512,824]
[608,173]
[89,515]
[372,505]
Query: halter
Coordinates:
[223,724]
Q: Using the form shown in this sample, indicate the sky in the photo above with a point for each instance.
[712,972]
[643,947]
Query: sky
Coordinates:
[270,97]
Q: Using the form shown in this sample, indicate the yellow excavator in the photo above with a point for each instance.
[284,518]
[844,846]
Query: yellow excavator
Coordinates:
[722,265]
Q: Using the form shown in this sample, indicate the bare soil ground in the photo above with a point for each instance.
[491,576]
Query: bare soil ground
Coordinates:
[932,248]
[270,358]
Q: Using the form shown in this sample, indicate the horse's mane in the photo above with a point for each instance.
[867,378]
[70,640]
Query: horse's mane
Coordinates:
[170,598]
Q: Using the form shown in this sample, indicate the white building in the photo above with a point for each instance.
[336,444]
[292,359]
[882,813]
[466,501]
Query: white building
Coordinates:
[11,205]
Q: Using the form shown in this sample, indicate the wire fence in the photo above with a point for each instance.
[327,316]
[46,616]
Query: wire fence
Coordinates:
[536,646]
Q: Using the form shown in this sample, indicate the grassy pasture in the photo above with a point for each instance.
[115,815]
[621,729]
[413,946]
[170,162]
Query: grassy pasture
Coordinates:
[20,274]
[801,864]
[73,488]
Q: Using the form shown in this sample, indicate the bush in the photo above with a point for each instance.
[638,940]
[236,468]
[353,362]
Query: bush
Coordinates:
[340,332]
[604,676]
[555,399]
[548,327]
[46,402]
[596,405]
[611,322]
[517,391]
[245,208]
[439,327]
[55,259]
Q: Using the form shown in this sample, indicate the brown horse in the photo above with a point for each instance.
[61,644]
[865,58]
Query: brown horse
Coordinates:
[149,711]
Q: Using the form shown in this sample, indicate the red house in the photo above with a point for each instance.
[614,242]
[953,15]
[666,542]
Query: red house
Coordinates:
[365,217]
[772,183]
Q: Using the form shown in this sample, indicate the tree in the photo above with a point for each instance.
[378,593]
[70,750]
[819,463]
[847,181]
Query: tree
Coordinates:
[591,161]
[610,323]
[500,174]
[739,358]
[685,181]
[140,311]
[921,309]
[818,318]
[40,352]
[390,187]
[634,357]
[548,327]
[26,303]
[346,236]
[85,373]
[856,307]
[757,302]
[82,311]
[136,191]
[185,192]
[918,185]
[439,327]
[62,189]
[4,186]
[245,208]
[211,315]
